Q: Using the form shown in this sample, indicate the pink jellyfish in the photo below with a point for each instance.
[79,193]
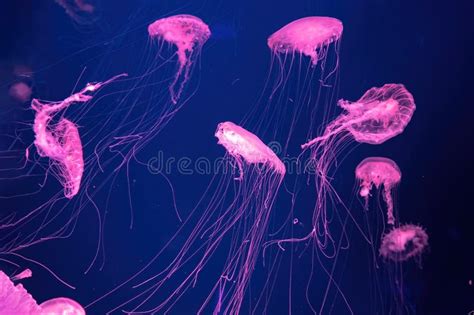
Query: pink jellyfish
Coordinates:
[14,299]
[188,33]
[378,171]
[379,115]
[61,142]
[295,86]
[309,36]
[225,240]
[403,242]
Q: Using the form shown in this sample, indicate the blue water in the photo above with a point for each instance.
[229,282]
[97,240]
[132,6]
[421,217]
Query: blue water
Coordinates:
[425,45]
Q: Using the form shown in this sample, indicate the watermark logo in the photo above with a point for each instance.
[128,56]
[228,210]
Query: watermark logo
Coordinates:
[184,165]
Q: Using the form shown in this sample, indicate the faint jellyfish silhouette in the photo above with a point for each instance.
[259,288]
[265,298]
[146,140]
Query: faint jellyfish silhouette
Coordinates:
[188,33]
[378,171]
[20,92]
[79,11]
[224,240]
[15,299]
[379,115]
[61,143]
[404,242]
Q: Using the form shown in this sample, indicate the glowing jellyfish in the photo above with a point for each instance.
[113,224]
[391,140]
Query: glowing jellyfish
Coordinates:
[61,142]
[404,242]
[225,240]
[379,115]
[309,36]
[378,171]
[188,33]
[296,88]
[14,299]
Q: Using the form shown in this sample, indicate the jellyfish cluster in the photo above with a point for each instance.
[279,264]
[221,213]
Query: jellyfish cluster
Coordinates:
[227,233]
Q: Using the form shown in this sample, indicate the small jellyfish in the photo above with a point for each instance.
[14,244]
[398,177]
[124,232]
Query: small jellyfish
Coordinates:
[378,171]
[225,238]
[20,92]
[403,242]
[23,275]
[61,142]
[309,36]
[188,33]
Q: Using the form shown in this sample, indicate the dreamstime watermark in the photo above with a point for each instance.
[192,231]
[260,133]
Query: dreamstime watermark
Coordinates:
[161,164]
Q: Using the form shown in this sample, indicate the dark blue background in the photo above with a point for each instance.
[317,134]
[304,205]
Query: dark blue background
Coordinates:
[426,45]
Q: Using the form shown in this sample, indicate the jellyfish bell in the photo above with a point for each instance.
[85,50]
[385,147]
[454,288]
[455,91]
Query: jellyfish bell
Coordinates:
[378,171]
[309,36]
[380,114]
[241,143]
[61,305]
[72,163]
[404,242]
[188,33]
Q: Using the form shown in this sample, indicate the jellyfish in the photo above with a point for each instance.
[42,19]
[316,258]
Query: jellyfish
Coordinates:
[378,171]
[302,77]
[188,33]
[224,241]
[15,299]
[58,141]
[403,242]
[379,115]
[61,142]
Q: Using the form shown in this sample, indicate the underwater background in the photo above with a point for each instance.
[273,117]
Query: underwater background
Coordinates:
[426,45]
